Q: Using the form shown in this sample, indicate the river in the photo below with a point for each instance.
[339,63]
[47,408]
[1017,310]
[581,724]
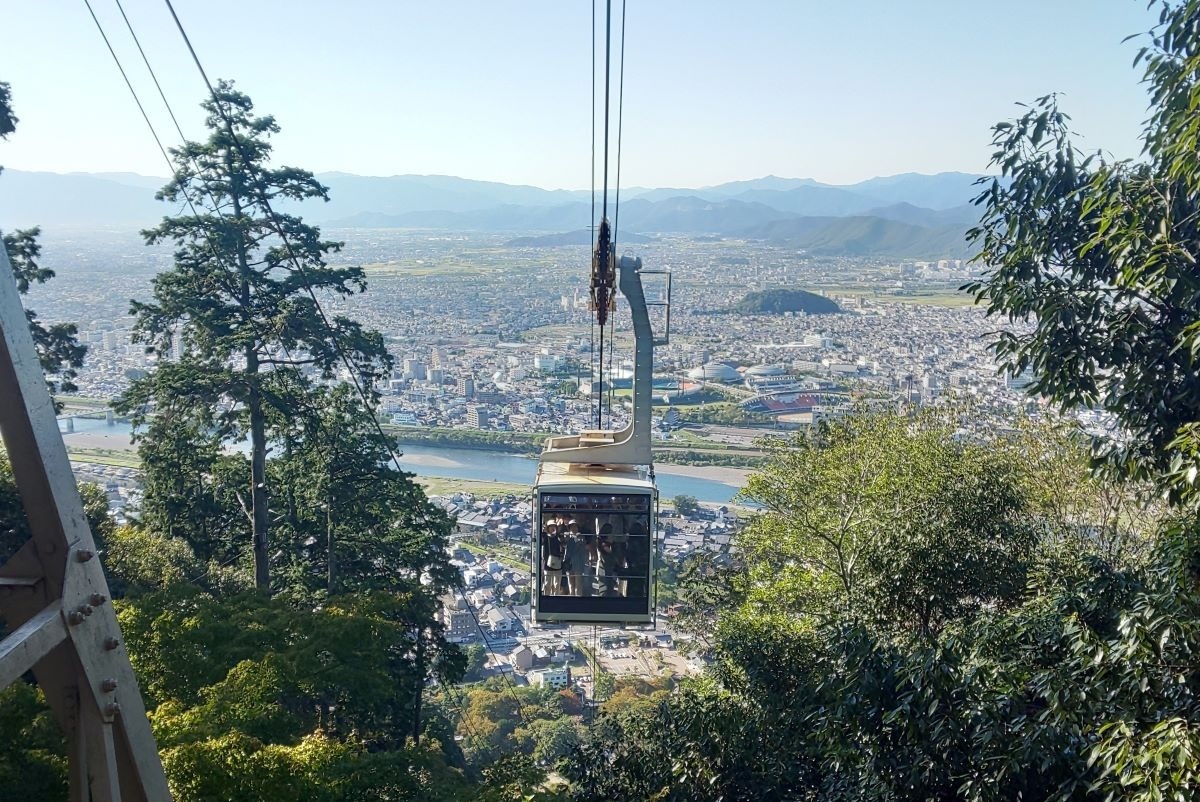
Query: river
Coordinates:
[450,463]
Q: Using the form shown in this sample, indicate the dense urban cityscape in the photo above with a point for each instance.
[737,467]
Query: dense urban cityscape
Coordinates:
[491,334]
[478,328]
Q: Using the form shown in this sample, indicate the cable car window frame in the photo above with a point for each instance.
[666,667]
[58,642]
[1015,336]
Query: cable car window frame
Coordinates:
[590,512]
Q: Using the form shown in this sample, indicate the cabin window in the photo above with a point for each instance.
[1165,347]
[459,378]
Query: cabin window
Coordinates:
[595,553]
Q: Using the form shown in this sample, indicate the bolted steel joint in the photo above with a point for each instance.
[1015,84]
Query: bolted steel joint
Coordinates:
[109,685]
[75,617]
[83,555]
[97,599]
[111,643]
[112,708]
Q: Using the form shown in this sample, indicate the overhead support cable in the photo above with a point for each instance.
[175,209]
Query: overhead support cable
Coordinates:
[137,100]
[153,74]
[620,121]
[171,166]
[511,688]
[289,251]
[607,72]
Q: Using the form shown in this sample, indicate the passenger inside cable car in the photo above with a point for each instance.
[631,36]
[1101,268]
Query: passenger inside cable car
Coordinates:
[595,546]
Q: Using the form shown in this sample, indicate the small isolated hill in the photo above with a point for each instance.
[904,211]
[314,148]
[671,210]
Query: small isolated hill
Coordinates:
[776,302]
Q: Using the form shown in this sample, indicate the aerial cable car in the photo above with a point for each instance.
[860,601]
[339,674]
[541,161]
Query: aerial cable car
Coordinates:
[594,498]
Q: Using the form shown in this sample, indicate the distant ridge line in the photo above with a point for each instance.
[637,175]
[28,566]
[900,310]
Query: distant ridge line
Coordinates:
[909,215]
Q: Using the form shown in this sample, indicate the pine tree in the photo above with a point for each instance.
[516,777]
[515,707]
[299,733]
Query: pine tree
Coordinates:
[241,296]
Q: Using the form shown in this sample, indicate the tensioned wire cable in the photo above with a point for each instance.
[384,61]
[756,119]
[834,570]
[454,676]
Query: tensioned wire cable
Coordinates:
[278,229]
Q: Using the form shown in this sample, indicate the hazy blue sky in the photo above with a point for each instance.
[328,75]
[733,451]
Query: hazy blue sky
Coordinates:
[715,90]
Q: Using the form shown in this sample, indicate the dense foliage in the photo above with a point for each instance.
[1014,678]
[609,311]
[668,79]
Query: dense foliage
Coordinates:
[1101,258]
[236,320]
[918,616]
[310,686]
[512,442]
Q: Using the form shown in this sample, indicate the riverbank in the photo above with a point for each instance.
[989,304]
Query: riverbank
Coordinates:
[440,468]
[106,439]
[114,442]
[735,477]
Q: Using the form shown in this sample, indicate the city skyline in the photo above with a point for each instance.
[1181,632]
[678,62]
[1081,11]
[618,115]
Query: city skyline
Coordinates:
[712,94]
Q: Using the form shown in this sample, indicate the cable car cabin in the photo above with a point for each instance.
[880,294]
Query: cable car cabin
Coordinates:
[594,498]
[593,546]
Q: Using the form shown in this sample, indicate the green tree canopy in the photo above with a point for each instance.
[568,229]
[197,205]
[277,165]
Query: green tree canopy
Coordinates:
[352,519]
[887,517]
[685,505]
[241,298]
[8,120]
[1099,257]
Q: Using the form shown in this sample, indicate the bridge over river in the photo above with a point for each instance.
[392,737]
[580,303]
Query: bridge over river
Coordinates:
[67,420]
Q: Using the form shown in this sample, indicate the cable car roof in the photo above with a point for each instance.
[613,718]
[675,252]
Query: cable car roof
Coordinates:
[602,478]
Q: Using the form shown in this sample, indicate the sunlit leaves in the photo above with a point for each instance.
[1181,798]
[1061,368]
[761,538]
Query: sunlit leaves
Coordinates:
[888,518]
[1100,258]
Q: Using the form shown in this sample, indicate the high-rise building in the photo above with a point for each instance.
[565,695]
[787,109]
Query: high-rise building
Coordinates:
[477,416]
[466,386]
[414,368]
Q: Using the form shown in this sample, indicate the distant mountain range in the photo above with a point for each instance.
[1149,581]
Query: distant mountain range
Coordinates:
[582,236]
[902,216]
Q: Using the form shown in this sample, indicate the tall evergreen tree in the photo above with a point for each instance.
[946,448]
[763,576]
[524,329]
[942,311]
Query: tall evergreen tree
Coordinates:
[240,297]
[356,522]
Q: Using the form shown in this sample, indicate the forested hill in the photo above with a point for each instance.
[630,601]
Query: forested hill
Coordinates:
[867,235]
[775,302]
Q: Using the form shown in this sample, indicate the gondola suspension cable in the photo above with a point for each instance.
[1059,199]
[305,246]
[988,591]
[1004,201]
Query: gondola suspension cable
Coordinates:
[607,73]
[137,100]
[462,714]
[592,220]
[620,126]
[595,673]
[508,682]
[593,369]
[146,117]
[612,346]
[603,274]
[153,75]
[617,205]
